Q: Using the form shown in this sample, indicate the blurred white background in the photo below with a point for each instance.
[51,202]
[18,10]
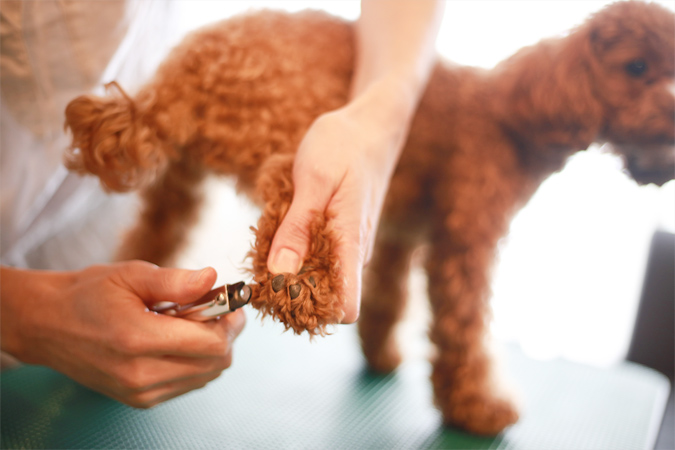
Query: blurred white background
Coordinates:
[570,272]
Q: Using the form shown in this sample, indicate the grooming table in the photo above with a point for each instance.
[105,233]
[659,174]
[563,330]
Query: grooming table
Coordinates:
[284,391]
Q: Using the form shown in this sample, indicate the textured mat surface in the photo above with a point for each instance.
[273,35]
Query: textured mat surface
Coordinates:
[285,392]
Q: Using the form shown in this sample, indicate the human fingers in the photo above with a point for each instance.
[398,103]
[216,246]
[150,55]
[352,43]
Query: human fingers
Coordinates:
[291,240]
[315,181]
[157,334]
[208,369]
[142,374]
[230,325]
[151,397]
[353,224]
[168,392]
[154,284]
[148,371]
[154,380]
[147,380]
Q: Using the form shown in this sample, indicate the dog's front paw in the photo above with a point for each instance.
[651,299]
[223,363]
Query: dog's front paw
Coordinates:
[478,413]
[311,300]
[384,359]
[303,302]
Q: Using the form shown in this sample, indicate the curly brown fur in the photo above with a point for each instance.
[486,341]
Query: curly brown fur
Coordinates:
[112,141]
[237,97]
[319,301]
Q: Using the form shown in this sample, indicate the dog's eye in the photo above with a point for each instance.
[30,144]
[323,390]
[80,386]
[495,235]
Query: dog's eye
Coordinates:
[637,67]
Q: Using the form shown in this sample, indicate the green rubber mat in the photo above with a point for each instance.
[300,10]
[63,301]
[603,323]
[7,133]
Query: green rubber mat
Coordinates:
[286,392]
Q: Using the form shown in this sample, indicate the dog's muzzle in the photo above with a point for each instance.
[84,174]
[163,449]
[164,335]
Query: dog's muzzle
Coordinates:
[646,172]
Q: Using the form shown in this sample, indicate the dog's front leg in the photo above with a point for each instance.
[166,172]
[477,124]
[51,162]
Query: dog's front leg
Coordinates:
[312,299]
[463,379]
[473,206]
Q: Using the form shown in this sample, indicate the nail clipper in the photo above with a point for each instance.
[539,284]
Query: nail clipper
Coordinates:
[217,302]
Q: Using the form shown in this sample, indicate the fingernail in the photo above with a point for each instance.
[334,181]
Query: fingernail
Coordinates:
[286,261]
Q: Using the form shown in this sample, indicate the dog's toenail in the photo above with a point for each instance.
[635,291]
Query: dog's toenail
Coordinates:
[294,290]
[278,283]
[312,282]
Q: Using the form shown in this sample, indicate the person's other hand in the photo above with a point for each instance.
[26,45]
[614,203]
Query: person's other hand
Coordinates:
[93,326]
[343,166]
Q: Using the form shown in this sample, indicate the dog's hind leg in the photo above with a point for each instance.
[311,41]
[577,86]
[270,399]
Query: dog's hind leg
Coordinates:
[385,291]
[170,208]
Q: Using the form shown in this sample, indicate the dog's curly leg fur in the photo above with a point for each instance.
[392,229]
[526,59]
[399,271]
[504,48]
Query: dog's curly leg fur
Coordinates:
[312,299]
[385,292]
[465,234]
[462,375]
[238,98]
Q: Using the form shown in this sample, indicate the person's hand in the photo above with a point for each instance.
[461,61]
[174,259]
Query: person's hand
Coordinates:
[343,166]
[93,326]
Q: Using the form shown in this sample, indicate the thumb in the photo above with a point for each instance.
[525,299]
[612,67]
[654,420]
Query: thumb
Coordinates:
[153,284]
[291,241]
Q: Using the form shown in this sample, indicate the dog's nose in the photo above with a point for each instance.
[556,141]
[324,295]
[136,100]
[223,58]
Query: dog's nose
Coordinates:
[656,174]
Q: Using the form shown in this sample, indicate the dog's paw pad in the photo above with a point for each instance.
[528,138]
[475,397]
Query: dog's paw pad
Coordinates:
[278,283]
[306,301]
[294,291]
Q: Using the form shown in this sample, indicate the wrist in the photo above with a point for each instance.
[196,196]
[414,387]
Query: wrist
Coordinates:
[24,293]
[385,109]
[394,94]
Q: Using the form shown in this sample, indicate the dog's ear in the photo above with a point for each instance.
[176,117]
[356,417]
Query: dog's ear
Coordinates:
[550,102]
[111,140]
[633,63]
[633,39]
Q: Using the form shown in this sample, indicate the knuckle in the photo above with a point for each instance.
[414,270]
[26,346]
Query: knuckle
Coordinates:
[224,363]
[207,378]
[132,377]
[137,265]
[131,343]
[130,380]
[236,325]
[316,179]
[217,346]
[317,176]
[140,401]
[227,362]
[297,229]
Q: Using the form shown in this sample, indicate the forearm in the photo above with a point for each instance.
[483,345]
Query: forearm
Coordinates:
[395,41]
[347,157]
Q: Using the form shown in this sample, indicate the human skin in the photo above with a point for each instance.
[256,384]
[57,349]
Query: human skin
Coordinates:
[347,157]
[93,325]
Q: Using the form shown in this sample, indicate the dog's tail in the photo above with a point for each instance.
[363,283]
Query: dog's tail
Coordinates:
[112,140]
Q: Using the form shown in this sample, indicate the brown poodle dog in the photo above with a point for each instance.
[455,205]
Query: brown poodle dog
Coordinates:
[236,98]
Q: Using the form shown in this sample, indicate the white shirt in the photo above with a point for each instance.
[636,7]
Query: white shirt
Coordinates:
[52,52]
